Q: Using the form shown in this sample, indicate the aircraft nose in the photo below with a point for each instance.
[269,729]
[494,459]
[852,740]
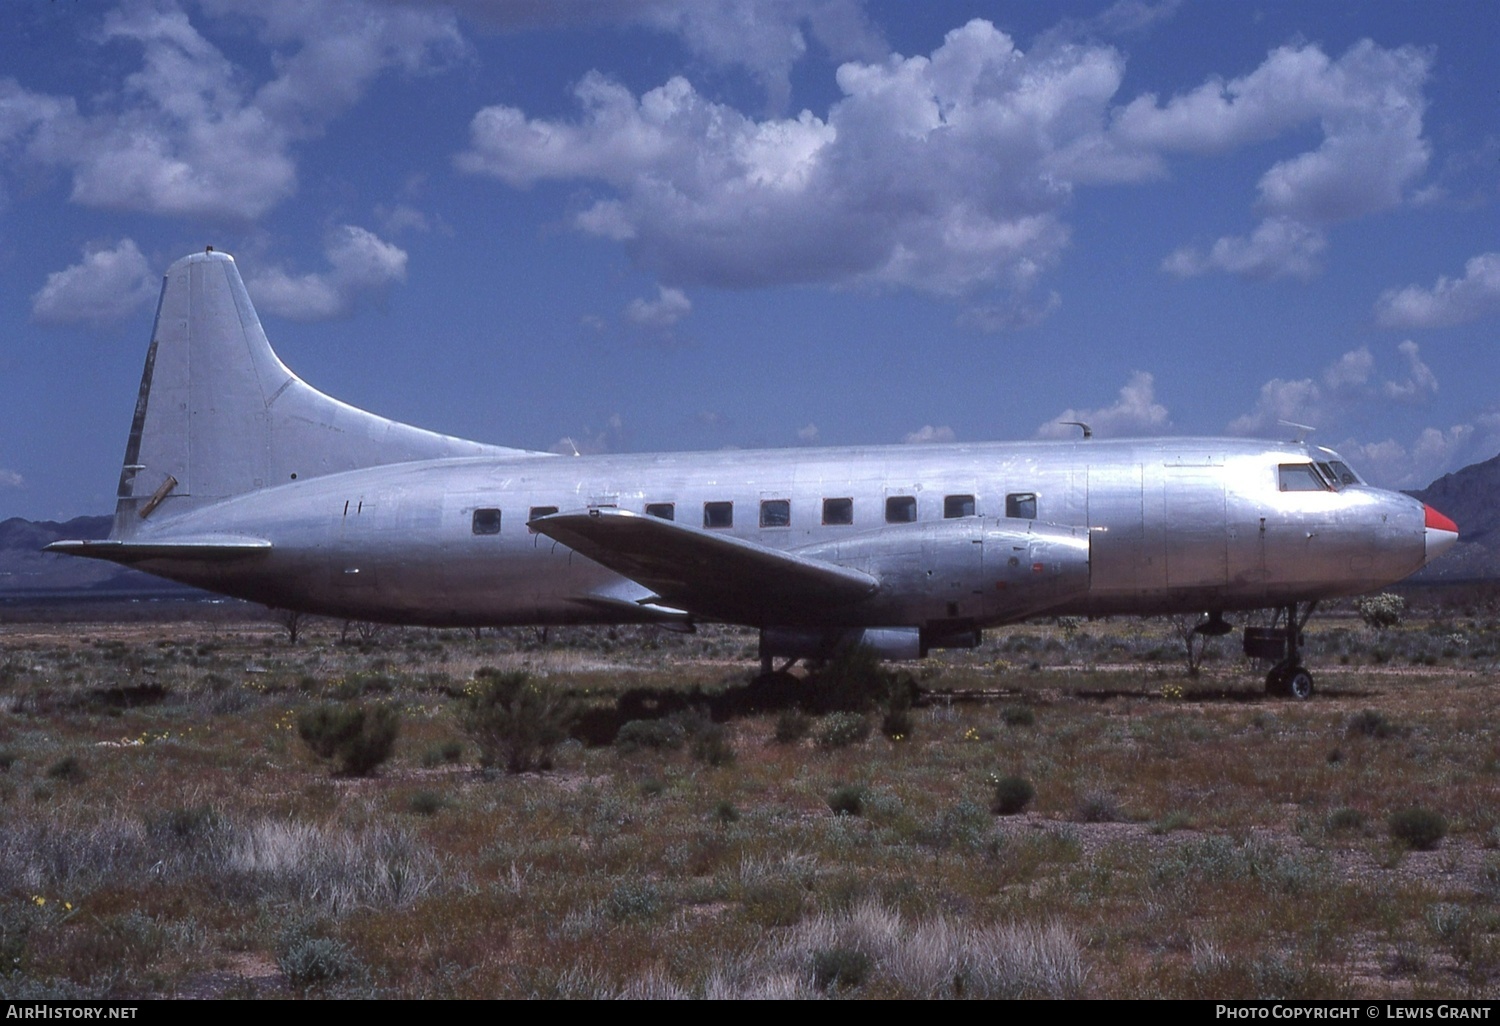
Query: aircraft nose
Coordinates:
[1441,533]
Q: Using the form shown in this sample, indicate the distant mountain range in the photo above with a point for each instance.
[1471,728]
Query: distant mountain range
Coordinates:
[1471,497]
[27,572]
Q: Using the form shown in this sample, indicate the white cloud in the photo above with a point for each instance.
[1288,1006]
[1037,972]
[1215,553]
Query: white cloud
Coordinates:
[1346,385]
[1449,302]
[1368,104]
[807,435]
[10,479]
[1278,248]
[939,173]
[1420,384]
[1136,412]
[106,287]
[187,133]
[360,264]
[1433,453]
[950,173]
[661,313]
[929,435]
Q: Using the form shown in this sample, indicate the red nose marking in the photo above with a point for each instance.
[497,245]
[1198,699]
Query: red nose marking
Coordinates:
[1439,522]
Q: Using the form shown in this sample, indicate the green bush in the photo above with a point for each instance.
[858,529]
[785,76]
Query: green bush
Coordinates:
[843,729]
[852,681]
[1381,611]
[792,725]
[426,803]
[657,735]
[897,724]
[839,968]
[1018,716]
[1012,795]
[1345,819]
[515,723]
[68,769]
[1417,828]
[355,738]
[847,801]
[308,961]
[1370,723]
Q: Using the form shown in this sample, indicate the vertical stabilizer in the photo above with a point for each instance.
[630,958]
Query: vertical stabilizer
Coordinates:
[219,414]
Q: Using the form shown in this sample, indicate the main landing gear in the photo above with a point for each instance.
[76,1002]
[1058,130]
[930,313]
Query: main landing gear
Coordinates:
[1289,678]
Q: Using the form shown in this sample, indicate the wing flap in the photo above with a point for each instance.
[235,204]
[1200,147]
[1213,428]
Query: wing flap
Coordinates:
[709,574]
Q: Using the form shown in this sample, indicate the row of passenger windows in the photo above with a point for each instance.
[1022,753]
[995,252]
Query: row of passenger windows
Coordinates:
[899,509]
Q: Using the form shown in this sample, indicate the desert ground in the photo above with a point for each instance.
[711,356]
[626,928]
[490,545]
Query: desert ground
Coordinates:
[1065,811]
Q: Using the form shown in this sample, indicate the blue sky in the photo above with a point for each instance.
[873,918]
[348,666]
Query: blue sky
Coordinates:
[698,224]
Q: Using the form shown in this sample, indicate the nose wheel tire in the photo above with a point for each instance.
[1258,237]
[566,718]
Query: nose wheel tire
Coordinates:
[1290,682]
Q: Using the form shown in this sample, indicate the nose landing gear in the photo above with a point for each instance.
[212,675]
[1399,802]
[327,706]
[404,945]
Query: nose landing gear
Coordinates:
[1288,678]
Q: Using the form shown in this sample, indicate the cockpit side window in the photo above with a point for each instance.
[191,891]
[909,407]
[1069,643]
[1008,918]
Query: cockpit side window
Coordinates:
[1345,475]
[1300,477]
[1328,475]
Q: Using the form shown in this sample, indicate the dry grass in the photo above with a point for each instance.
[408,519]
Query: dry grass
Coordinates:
[164,832]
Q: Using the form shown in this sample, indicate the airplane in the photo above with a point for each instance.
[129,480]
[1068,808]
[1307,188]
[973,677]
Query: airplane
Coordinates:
[242,479]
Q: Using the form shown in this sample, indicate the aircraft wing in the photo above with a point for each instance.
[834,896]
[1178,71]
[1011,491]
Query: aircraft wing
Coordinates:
[706,573]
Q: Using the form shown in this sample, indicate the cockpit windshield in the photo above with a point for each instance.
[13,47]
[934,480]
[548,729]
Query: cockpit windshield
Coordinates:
[1334,467]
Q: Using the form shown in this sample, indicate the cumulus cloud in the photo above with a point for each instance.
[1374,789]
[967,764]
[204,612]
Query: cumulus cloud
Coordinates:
[1368,104]
[1420,384]
[108,285]
[929,435]
[1135,412]
[937,173]
[1433,453]
[1450,301]
[188,133]
[661,313]
[1278,248]
[10,479]
[1345,385]
[360,264]
[950,173]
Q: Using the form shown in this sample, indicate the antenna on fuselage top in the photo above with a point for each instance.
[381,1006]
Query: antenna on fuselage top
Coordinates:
[1301,430]
[1088,432]
[573,445]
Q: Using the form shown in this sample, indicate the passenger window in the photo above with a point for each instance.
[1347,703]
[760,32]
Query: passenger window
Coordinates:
[901,509]
[537,512]
[958,506]
[718,514]
[486,521]
[664,510]
[1021,505]
[838,511]
[776,513]
[1300,477]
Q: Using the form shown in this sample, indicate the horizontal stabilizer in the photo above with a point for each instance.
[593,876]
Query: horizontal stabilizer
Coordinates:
[711,575]
[215,549]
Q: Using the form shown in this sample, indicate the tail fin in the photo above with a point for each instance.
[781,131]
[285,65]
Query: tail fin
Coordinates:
[219,414]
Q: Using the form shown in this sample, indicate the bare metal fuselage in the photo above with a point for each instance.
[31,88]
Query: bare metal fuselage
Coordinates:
[241,478]
[1165,525]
